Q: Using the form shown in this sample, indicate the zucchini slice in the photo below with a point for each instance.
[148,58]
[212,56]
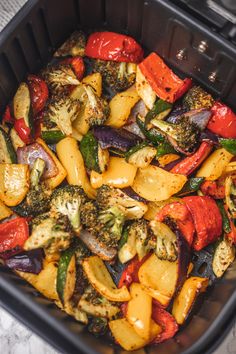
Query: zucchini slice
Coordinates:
[159,111]
[152,134]
[16,140]
[22,105]
[224,255]
[98,306]
[94,157]
[52,136]
[66,275]
[7,152]
[141,155]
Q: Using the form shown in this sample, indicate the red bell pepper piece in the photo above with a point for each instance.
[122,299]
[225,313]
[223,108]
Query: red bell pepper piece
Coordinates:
[7,116]
[168,86]
[38,92]
[223,121]
[22,130]
[190,163]
[167,323]
[130,273]
[180,213]
[13,235]
[207,220]
[213,189]
[113,46]
[77,65]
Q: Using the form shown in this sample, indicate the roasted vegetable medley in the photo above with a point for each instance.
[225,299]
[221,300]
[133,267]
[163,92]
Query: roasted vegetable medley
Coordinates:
[114,174]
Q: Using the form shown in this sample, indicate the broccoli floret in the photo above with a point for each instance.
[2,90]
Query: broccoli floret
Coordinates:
[59,77]
[97,109]
[118,76]
[38,198]
[113,220]
[51,231]
[166,241]
[197,98]
[68,201]
[74,46]
[106,225]
[184,135]
[136,239]
[61,111]
[108,196]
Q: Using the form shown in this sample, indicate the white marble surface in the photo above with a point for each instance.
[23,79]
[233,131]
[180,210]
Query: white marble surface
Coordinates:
[16,338]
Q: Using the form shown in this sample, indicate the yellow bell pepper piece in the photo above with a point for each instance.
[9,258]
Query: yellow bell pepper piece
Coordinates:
[55,181]
[71,158]
[5,212]
[120,106]
[14,183]
[119,174]
[214,165]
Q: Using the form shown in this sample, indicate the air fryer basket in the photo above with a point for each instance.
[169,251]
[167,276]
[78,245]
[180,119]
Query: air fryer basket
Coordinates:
[27,44]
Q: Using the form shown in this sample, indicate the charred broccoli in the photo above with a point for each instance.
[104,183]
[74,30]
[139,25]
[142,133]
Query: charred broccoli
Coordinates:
[118,76]
[61,111]
[51,231]
[113,220]
[184,135]
[136,239]
[37,200]
[59,77]
[109,196]
[197,98]
[106,225]
[68,201]
[74,46]
[166,241]
[96,109]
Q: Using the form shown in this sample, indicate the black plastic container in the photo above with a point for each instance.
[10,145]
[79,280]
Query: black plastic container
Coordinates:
[188,45]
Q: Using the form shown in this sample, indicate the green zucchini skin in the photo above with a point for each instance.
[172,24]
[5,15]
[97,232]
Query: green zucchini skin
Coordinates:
[63,266]
[7,152]
[134,149]
[160,110]
[152,134]
[165,148]
[52,136]
[94,157]
[191,186]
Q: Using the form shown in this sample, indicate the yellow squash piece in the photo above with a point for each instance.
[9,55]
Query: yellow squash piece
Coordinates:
[95,81]
[100,279]
[144,89]
[45,281]
[155,184]
[159,278]
[215,164]
[187,296]
[14,183]
[55,181]
[5,212]
[125,334]
[139,310]
[119,174]
[72,160]
[120,107]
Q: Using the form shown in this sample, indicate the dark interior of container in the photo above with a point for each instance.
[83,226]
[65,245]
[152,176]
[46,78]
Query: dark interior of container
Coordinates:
[26,45]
